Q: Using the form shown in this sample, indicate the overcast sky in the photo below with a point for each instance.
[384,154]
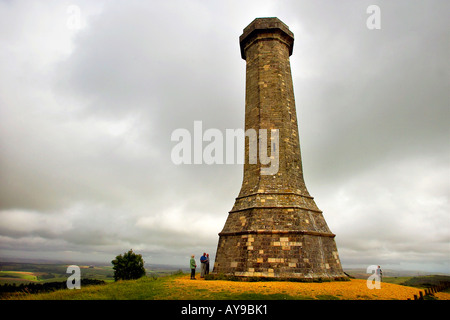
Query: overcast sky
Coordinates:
[90,93]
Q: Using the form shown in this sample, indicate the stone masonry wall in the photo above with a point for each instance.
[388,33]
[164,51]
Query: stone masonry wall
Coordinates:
[275,228]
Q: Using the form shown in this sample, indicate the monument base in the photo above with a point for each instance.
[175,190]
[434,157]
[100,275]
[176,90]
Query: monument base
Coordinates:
[228,277]
[305,256]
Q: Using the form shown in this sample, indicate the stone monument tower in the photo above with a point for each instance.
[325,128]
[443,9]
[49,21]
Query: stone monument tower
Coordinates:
[275,228]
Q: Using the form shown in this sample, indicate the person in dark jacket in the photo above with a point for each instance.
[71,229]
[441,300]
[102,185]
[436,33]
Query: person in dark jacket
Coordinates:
[203,265]
[207,264]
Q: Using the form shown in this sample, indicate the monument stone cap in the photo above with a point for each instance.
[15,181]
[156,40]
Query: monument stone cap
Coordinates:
[265,25]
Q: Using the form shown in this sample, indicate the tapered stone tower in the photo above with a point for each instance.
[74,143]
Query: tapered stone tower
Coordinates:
[275,228]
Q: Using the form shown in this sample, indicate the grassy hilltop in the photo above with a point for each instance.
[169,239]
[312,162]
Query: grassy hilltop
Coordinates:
[180,287]
[163,283]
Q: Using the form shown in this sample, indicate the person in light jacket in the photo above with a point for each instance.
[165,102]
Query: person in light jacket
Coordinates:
[379,273]
[193,265]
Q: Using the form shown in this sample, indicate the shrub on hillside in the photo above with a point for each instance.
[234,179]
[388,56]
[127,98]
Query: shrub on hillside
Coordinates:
[128,266]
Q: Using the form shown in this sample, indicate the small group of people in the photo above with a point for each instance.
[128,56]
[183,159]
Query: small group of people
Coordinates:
[204,265]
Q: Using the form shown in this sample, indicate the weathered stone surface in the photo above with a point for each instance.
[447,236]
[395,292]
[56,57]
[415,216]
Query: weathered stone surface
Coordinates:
[275,228]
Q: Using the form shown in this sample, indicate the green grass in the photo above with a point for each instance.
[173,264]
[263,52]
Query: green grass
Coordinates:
[327,297]
[17,275]
[149,288]
[421,282]
[142,289]
[165,288]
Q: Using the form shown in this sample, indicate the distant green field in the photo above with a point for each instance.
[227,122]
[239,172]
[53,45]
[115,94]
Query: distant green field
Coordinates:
[20,276]
[20,273]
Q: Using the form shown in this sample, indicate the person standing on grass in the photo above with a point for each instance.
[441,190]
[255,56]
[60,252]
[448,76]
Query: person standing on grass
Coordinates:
[203,265]
[207,264]
[193,265]
[379,273]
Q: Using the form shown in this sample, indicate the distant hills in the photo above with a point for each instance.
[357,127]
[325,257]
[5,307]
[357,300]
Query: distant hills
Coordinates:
[360,273]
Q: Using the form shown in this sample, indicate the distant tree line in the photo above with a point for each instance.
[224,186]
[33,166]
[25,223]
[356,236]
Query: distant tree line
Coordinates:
[43,287]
